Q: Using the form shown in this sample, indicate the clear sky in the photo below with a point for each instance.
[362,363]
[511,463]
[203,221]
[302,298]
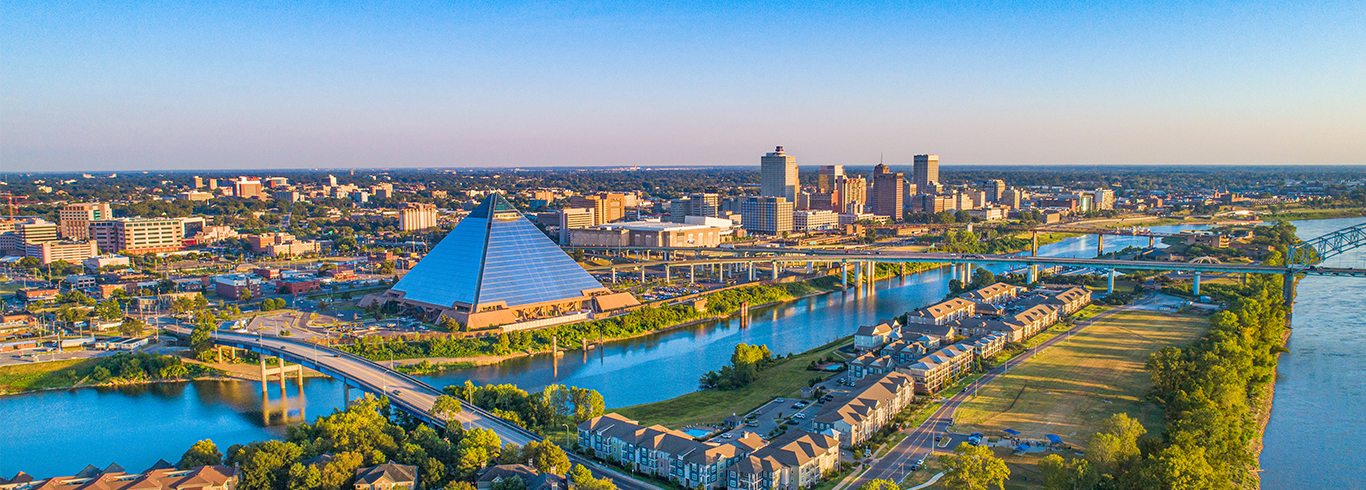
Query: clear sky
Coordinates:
[188,85]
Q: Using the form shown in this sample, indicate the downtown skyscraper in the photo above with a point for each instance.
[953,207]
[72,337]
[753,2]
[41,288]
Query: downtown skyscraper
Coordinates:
[778,175]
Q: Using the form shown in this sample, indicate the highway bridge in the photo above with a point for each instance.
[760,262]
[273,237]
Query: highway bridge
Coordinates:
[405,392]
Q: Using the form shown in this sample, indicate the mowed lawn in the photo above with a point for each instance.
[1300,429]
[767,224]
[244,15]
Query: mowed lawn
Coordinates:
[1071,388]
[785,379]
[40,375]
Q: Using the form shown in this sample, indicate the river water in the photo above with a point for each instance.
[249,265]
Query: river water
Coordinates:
[59,432]
[1320,404]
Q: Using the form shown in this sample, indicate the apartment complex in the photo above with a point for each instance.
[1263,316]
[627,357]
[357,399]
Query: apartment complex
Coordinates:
[795,460]
[869,406]
[778,175]
[416,216]
[75,218]
[161,476]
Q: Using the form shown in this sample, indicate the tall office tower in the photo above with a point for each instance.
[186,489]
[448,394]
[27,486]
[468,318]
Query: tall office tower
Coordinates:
[994,189]
[574,219]
[778,175]
[926,170]
[1012,197]
[766,215]
[198,182]
[246,188]
[331,180]
[852,194]
[887,192]
[75,218]
[416,216]
[979,198]
[828,174]
[607,206]
[1103,198]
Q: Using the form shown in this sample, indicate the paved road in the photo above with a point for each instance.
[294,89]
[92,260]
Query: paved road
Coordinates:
[398,387]
[920,443]
[410,392]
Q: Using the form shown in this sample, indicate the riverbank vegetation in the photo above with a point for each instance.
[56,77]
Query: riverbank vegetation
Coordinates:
[640,321]
[784,378]
[745,365]
[542,413]
[121,368]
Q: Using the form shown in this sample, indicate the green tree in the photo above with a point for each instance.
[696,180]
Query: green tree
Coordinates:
[879,484]
[174,371]
[1114,450]
[202,453]
[446,407]
[108,310]
[1072,474]
[587,404]
[583,479]
[509,483]
[132,327]
[547,457]
[974,468]
[264,465]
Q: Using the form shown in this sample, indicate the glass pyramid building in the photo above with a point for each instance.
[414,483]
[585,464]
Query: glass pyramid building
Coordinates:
[497,268]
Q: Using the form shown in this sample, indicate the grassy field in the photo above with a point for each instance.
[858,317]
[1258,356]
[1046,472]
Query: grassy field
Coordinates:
[784,379]
[1071,388]
[43,375]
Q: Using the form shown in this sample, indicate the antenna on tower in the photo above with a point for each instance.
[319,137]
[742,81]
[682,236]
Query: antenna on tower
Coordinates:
[879,158]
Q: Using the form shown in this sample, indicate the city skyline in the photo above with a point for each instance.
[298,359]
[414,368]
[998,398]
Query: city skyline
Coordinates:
[203,86]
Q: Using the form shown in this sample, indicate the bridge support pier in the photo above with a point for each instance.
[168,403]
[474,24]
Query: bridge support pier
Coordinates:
[1151,242]
[775,270]
[666,273]
[1034,243]
[1033,273]
[1195,286]
[614,275]
[692,273]
[1110,283]
[844,274]
[1100,246]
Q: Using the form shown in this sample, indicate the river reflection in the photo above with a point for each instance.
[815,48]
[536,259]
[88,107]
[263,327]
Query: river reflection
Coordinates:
[59,432]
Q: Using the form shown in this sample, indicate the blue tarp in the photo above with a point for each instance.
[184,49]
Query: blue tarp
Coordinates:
[1012,432]
[1054,439]
[1022,448]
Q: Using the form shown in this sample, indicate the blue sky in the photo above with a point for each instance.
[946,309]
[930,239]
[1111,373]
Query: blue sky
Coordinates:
[227,85]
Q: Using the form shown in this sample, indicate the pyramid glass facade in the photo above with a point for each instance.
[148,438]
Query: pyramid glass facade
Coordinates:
[495,255]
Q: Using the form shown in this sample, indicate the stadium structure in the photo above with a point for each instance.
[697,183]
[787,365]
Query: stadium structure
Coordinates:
[497,269]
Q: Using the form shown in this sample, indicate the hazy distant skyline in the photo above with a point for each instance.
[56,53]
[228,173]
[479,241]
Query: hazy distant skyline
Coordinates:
[217,85]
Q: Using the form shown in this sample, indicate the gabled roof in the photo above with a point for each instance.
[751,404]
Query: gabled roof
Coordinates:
[495,254]
[390,472]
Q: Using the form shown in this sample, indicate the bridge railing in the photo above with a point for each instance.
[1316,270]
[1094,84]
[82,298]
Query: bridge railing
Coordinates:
[405,376]
[1319,249]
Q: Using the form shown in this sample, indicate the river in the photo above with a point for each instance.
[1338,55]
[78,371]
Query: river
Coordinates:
[1320,406]
[59,432]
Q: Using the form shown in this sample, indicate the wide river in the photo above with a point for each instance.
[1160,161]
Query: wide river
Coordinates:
[59,432]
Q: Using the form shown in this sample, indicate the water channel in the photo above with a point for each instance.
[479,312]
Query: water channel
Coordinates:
[59,432]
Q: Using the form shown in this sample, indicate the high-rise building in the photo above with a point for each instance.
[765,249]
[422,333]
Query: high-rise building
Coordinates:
[851,194]
[815,220]
[994,190]
[1103,198]
[778,175]
[138,235]
[416,216]
[766,215]
[75,218]
[978,198]
[198,182]
[72,251]
[607,206]
[1012,197]
[926,170]
[887,192]
[246,188]
[574,219]
[331,180]
[828,175]
[34,230]
[931,203]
